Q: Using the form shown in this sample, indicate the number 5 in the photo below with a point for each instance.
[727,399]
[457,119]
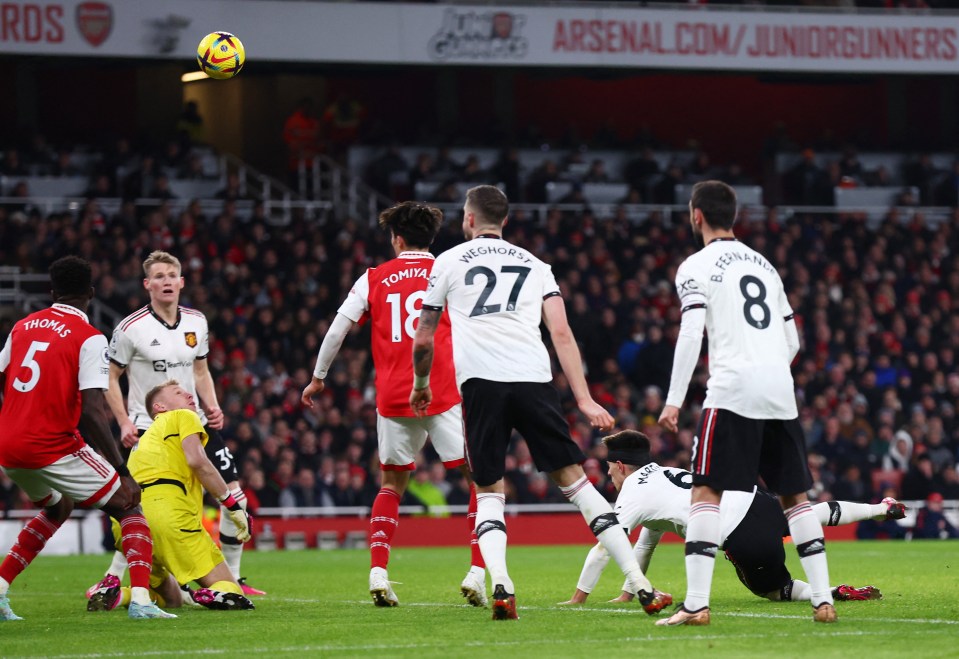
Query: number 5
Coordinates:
[31,363]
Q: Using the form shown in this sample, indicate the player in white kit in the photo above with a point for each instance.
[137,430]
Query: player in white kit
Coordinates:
[497,294]
[159,342]
[752,524]
[749,425]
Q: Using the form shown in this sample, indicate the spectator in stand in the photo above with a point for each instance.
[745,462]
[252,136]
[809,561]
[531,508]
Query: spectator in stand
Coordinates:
[642,169]
[11,165]
[422,170]
[301,134]
[920,481]
[233,190]
[947,191]
[506,170]
[304,492]
[547,172]
[931,523]
[472,171]
[899,455]
[664,192]
[596,172]
[343,121]
[189,125]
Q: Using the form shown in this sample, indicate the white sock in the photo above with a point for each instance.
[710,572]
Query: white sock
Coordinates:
[140,595]
[806,531]
[491,534]
[232,552]
[4,586]
[118,567]
[801,591]
[702,543]
[229,545]
[605,525]
[834,513]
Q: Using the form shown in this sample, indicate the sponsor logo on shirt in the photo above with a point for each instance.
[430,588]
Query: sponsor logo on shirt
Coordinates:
[159,365]
[154,343]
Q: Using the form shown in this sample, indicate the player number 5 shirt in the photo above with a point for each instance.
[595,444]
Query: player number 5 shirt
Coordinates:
[49,357]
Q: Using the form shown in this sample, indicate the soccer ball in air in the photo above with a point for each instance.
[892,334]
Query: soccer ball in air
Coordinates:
[220,55]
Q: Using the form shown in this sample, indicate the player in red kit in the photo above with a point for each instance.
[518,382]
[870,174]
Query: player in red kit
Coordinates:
[390,296]
[54,367]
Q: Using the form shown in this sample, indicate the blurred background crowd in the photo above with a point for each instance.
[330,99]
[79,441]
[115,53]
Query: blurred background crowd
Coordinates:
[877,304]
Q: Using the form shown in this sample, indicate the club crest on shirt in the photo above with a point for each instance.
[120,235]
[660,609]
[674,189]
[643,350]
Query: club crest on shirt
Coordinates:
[190,338]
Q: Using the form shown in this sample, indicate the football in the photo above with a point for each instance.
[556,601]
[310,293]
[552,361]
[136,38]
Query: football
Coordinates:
[220,55]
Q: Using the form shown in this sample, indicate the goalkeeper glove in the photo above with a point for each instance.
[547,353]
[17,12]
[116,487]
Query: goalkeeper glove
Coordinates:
[239,517]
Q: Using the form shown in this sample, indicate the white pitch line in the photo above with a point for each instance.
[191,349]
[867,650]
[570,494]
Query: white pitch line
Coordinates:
[675,637]
[637,612]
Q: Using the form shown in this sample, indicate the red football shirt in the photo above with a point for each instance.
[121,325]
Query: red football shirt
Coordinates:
[49,357]
[391,296]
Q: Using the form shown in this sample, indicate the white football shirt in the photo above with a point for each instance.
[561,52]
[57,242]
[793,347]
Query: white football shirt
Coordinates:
[746,312]
[153,352]
[494,291]
[657,498]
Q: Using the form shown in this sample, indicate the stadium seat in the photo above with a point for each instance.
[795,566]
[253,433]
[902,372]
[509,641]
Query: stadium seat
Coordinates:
[327,540]
[193,189]
[355,540]
[48,186]
[294,540]
[886,477]
[746,195]
[605,193]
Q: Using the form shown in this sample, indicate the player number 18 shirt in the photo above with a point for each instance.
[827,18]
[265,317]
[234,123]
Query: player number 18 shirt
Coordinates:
[391,296]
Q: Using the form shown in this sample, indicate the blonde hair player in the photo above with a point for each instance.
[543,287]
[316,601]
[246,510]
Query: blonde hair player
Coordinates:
[160,341]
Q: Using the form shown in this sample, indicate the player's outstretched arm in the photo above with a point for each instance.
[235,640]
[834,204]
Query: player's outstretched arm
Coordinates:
[554,315]
[596,561]
[211,480]
[94,427]
[331,345]
[688,345]
[421,395]
[114,398]
[207,392]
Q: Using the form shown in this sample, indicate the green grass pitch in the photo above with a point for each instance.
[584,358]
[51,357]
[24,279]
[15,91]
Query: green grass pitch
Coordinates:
[318,605]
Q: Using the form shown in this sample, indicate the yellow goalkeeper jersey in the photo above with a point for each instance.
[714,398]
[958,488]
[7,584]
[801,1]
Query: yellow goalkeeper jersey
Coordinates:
[159,454]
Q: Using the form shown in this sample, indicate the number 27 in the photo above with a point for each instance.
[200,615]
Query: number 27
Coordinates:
[482,308]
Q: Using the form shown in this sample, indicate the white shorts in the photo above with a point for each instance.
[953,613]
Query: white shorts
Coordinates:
[400,438]
[84,477]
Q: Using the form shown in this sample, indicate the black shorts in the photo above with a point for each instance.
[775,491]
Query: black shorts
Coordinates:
[491,410]
[220,455]
[730,451]
[755,547]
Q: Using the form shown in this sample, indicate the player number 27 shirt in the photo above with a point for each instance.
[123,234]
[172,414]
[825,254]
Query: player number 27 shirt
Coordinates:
[494,293]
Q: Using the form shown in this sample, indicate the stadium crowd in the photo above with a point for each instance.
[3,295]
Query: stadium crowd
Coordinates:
[878,308]
[878,378]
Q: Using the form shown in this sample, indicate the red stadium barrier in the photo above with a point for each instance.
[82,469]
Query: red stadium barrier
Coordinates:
[526,529]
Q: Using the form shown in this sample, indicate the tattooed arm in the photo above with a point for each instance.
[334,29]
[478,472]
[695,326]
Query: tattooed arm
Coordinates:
[421,395]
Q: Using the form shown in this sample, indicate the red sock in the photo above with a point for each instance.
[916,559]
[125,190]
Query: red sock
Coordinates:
[477,555]
[30,542]
[137,546]
[383,523]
